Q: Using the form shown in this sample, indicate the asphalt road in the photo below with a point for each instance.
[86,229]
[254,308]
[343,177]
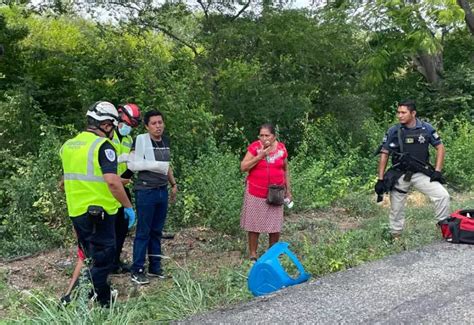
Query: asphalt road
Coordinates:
[432,285]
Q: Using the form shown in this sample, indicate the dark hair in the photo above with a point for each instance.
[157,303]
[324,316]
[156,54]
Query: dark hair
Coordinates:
[409,103]
[151,113]
[267,126]
[91,122]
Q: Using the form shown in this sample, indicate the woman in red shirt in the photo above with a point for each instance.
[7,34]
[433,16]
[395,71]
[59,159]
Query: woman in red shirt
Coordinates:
[266,163]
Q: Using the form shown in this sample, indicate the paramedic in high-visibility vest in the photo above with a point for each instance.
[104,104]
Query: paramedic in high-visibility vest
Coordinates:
[129,118]
[94,193]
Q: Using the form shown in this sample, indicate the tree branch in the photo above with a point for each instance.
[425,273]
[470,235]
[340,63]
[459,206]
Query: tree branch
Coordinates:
[164,30]
[176,38]
[204,8]
[430,66]
[241,11]
[468,15]
[125,4]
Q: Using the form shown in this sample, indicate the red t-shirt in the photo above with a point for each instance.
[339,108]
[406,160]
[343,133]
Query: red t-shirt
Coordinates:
[266,171]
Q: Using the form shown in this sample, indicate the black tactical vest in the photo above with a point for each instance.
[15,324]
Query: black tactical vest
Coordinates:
[415,142]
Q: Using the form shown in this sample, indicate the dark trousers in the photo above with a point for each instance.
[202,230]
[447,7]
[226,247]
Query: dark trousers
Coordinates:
[121,231]
[98,244]
[152,206]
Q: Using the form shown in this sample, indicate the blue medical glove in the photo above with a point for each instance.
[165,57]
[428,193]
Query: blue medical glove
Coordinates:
[130,215]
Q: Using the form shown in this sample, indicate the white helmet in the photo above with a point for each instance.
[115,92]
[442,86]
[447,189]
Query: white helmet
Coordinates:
[102,111]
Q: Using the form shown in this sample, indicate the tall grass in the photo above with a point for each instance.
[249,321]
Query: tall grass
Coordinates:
[189,292]
[322,246]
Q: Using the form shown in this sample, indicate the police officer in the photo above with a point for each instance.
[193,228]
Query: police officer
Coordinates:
[94,192]
[129,118]
[412,136]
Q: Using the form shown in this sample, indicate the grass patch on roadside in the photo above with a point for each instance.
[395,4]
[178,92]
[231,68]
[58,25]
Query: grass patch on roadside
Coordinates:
[328,249]
[202,285]
[188,293]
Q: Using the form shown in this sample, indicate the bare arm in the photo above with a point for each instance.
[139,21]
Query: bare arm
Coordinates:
[61,184]
[171,177]
[250,160]
[114,183]
[440,153]
[174,187]
[287,177]
[382,164]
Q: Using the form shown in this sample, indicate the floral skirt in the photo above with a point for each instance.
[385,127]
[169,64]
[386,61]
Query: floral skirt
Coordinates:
[258,216]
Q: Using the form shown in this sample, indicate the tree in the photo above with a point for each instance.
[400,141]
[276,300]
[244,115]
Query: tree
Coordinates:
[11,65]
[468,15]
[417,30]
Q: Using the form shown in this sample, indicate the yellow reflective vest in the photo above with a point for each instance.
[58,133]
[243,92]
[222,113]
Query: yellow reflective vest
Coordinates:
[84,183]
[122,147]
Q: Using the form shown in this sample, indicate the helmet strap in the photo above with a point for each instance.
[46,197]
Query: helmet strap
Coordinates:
[108,134]
[97,127]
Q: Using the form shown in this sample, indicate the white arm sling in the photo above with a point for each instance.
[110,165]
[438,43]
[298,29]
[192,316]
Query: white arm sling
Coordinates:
[143,158]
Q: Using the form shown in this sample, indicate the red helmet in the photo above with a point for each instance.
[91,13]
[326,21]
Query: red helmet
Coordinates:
[129,114]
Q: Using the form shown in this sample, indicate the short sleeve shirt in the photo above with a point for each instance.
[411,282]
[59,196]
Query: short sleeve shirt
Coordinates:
[390,140]
[108,158]
[269,170]
[147,179]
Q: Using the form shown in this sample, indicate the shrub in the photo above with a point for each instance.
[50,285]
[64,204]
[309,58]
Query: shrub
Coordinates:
[329,165]
[33,215]
[211,192]
[459,140]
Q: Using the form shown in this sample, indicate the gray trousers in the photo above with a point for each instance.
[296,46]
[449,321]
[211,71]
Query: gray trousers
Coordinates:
[434,190]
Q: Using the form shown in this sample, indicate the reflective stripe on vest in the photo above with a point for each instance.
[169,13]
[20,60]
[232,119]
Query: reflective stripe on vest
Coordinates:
[89,177]
[83,180]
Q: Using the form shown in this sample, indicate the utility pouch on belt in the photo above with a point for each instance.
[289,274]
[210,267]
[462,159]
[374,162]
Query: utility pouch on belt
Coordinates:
[96,214]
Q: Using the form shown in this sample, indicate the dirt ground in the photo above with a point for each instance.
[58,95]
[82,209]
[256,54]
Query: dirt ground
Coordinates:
[52,270]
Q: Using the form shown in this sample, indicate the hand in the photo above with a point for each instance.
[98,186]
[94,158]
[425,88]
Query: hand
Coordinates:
[130,215]
[264,152]
[123,158]
[437,177]
[174,191]
[61,185]
[379,187]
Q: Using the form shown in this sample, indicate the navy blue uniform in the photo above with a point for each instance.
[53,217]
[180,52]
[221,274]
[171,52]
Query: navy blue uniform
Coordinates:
[415,140]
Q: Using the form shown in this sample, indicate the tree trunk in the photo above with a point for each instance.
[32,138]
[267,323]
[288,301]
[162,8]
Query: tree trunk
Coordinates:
[468,15]
[430,66]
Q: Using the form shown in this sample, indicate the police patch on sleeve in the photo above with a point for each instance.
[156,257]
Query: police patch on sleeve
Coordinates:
[436,135]
[110,154]
[385,139]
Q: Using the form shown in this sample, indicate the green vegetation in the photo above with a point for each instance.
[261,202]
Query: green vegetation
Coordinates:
[329,78]
[321,241]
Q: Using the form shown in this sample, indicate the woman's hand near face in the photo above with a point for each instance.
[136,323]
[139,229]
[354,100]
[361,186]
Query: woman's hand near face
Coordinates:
[250,160]
[264,152]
